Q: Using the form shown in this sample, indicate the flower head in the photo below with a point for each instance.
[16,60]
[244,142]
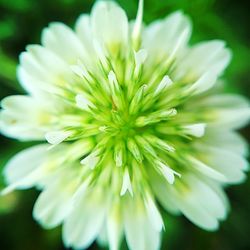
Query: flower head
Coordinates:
[135,119]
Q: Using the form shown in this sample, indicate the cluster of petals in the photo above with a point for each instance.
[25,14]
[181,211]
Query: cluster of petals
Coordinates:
[132,121]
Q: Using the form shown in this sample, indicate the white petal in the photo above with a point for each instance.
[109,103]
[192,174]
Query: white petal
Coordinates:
[140,57]
[56,137]
[114,227]
[225,101]
[200,203]
[83,103]
[113,83]
[204,57]
[81,191]
[18,128]
[102,238]
[86,220]
[17,103]
[191,208]
[91,160]
[137,28]
[165,82]
[219,190]
[161,191]
[63,41]
[204,83]
[47,60]
[78,70]
[208,198]
[213,202]
[233,118]
[231,111]
[126,184]
[231,165]
[22,169]
[169,36]
[42,69]
[168,173]
[199,217]
[197,130]
[167,201]
[153,213]
[54,204]
[226,139]
[32,66]
[139,232]
[206,170]
[30,82]
[109,23]
[84,32]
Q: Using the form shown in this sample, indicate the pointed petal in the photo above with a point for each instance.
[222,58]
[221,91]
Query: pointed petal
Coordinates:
[204,57]
[86,220]
[197,130]
[226,139]
[24,118]
[56,137]
[54,203]
[114,227]
[137,29]
[168,37]
[60,39]
[234,118]
[231,165]
[153,213]
[126,184]
[109,23]
[139,232]
[204,83]
[24,164]
[194,203]
[84,32]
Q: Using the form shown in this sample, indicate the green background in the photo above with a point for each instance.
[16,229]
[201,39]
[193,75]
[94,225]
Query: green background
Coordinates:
[21,22]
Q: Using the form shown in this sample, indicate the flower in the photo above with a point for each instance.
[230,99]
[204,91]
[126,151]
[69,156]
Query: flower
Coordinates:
[134,118]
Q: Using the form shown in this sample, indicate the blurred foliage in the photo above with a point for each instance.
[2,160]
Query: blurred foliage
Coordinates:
[21,22]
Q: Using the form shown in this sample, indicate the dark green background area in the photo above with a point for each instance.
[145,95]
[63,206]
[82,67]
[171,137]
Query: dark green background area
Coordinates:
[21,22]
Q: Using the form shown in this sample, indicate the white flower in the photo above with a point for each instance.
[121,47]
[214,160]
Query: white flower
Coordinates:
[134,116]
